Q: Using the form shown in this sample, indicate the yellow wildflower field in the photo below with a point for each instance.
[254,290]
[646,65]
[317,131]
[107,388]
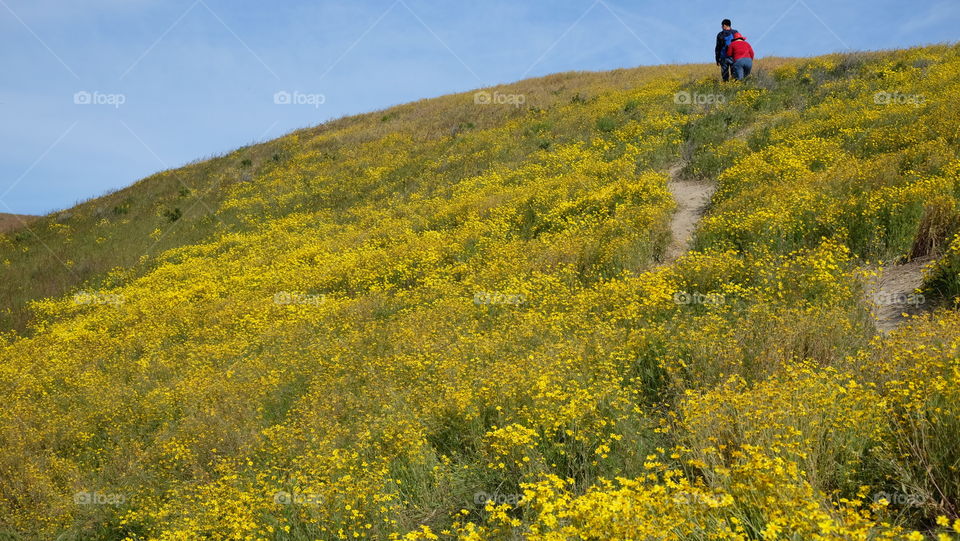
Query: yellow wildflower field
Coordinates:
[398,330]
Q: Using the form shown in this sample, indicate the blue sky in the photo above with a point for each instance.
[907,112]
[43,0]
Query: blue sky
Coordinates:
[171,81]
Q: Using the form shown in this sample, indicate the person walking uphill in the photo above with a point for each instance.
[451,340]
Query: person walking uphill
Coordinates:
[724,39]
[742,55]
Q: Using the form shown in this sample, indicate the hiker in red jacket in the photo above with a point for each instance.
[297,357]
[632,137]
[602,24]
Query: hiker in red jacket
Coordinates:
[742,54]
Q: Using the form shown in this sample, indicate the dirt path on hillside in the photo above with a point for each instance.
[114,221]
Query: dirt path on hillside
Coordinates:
[890,295]
[692,198]
[893,293]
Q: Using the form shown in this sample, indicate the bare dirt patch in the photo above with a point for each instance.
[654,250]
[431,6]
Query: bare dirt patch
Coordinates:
[893,294]
[692,197]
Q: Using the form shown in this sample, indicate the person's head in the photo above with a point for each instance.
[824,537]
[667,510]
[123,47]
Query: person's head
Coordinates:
[738,36]
[726,24]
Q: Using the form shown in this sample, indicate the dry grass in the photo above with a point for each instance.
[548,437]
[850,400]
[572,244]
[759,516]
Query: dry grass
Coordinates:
[12,222]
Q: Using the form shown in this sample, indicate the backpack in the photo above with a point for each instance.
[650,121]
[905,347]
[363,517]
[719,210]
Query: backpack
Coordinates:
[727,40]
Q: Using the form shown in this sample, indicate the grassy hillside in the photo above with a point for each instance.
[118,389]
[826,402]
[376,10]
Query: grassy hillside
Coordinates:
[128,229]
[450,319]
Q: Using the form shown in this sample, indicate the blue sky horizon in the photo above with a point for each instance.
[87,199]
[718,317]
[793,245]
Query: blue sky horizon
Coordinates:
[100,95]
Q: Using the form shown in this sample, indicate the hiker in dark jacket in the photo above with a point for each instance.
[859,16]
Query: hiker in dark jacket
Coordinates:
[742,55]
[724,39]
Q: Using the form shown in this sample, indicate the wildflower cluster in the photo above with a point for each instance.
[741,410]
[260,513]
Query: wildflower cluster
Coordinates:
[421,334]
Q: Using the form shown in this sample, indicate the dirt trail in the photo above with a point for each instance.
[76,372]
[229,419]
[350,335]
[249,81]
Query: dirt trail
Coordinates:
[890,295]
[692,198]
[893,294]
